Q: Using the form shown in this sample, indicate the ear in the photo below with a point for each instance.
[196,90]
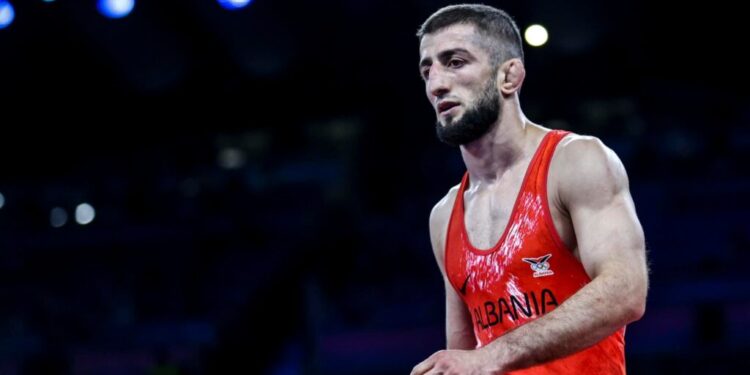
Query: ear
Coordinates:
[510,76]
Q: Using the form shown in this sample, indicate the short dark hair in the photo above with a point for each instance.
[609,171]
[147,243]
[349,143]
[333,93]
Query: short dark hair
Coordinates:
[504,38]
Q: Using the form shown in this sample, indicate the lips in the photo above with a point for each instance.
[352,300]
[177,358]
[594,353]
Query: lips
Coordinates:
[445,106]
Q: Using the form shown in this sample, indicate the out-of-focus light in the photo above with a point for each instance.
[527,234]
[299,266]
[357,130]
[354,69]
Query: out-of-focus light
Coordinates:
[2,200]
[115,8]
[85,213]
[7,14]
[234,4]
[58,217]
[536,35]
[231,158]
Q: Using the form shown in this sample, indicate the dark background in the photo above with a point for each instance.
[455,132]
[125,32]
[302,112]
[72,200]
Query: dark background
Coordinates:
[262,180]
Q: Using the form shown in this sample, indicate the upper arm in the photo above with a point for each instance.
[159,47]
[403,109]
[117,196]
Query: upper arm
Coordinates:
[458,328]
[593,187]
[439,217]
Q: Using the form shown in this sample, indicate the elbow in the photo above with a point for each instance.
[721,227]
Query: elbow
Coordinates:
[636,306]
[636,311]
[635,292]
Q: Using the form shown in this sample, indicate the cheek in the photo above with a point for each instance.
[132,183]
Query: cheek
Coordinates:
[469,89]
[473,95]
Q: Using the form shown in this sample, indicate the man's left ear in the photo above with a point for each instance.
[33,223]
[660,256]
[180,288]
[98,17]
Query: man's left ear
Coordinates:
[512,73]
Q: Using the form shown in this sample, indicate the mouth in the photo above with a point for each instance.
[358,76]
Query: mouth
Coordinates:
[446,106]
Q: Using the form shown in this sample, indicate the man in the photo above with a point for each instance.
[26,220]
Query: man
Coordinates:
[540,247]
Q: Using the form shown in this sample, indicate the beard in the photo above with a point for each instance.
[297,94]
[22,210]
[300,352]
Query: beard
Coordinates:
[475,122]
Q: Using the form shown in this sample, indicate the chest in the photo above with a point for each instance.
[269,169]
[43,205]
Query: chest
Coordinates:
[488,212]
[488,209]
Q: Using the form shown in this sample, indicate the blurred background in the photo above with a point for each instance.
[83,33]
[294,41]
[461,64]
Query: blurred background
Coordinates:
[202,186]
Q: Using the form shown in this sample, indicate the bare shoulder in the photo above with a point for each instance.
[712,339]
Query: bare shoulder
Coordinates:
[585,169]
[439,217]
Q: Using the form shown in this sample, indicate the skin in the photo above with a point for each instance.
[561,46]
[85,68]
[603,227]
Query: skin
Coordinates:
[589,199]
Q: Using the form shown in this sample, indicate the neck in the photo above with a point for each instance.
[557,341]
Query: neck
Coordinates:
[490,156]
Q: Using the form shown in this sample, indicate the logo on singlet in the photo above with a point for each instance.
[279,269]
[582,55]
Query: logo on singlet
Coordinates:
[540,265]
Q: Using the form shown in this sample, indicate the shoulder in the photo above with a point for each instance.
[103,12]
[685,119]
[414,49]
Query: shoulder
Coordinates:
[584,168]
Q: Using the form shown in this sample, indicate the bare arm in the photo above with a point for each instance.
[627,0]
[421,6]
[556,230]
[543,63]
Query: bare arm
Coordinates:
[593,186]
[458,329]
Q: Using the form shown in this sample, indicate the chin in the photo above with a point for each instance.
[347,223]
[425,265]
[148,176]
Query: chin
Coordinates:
[448,120]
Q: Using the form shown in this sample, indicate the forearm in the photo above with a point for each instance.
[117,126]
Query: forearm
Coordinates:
[596,311]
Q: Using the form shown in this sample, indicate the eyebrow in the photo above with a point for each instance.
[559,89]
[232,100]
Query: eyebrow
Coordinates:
[443,55]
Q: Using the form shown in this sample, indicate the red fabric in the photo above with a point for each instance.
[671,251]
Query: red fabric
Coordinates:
[526,274]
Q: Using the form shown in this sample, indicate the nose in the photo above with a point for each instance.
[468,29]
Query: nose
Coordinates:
[437,84]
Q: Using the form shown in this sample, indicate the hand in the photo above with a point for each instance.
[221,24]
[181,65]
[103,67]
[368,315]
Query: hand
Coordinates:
[456,362]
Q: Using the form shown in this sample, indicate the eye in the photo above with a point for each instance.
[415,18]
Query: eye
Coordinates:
[455,63]
[425,72]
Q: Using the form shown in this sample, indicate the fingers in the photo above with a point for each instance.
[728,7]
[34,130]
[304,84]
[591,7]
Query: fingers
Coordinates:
[424,366]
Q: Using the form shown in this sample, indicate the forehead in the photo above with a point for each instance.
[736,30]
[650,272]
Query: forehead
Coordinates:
[455,36]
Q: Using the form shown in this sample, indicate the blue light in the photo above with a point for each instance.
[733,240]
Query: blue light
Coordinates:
[234,4]
[7,14]
[115,8]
